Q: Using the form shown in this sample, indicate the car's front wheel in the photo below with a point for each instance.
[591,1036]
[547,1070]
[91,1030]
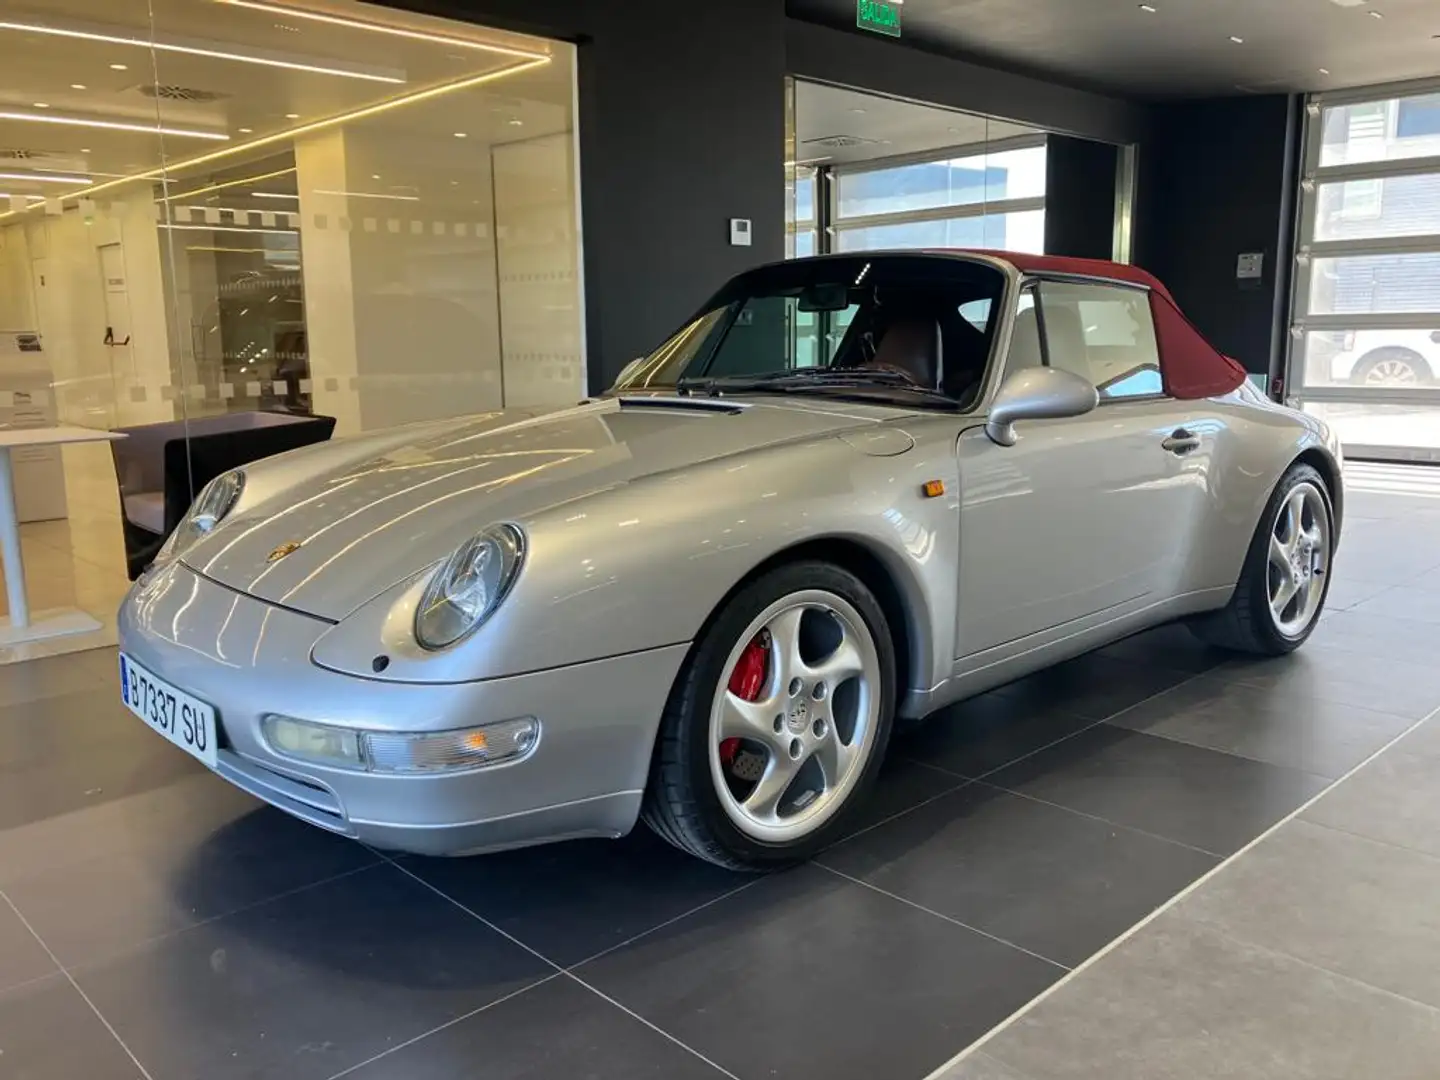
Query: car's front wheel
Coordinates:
[1286,576]
[778,722]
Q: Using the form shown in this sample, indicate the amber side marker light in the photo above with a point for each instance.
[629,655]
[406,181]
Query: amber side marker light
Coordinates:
[934,488]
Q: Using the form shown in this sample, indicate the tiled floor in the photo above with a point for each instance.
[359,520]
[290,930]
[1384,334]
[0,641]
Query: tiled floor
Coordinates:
[156,923]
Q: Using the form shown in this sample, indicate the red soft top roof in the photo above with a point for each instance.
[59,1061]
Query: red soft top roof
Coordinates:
[1190,366]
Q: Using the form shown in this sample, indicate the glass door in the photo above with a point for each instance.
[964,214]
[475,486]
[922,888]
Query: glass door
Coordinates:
[1365,335]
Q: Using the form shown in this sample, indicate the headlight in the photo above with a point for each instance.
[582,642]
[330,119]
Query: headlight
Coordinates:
[390,752]
[468,587]
[215,500]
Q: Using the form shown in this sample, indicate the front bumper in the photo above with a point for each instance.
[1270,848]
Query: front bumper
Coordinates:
[248,658]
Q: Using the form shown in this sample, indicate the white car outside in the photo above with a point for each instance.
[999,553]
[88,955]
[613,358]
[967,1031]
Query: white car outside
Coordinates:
[1387,358]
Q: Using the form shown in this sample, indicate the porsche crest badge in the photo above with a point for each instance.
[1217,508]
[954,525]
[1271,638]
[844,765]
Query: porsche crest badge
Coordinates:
[287,548]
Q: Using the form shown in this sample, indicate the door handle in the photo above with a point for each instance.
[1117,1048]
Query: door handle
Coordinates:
[1180,441]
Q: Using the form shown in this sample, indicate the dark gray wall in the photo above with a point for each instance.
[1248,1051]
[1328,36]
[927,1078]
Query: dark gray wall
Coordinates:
[682,127]
[870,62]
[1217,178]
[1080,179]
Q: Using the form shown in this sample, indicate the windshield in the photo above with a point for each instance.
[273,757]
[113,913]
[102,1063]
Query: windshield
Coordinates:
[909,326]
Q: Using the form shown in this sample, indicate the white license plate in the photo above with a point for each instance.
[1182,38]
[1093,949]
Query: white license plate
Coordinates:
[186,721]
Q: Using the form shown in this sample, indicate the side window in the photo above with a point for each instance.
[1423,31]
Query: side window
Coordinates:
[1104,333]
[1025,348]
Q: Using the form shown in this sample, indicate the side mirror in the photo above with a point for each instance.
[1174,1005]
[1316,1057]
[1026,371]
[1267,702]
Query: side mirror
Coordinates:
[1037,393]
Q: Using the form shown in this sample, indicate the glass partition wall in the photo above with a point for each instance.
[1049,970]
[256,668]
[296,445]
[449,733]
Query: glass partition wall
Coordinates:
[865,172]
[1365,335]
[216,210]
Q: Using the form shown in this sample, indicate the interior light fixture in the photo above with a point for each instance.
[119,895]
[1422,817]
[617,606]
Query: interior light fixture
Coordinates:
[39,104]
[77,86]
[300,130]
[44,178]
[1237,40]
[119,67]
[1376,14]
[1324,71]
[462,135]
[246,131]
[193,50]
[292,116]
[380,28]
[516,123]
[1148,9]
[368,195]
[114,125]
[273,195]
[32,198]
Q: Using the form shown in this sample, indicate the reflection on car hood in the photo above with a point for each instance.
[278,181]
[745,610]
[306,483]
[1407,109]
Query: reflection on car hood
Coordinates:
[372,511]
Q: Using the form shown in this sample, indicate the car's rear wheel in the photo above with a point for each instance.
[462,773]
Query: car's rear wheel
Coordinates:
[778,722]
[1282,587]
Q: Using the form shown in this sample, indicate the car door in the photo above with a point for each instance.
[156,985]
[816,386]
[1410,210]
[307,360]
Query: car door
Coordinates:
[1085,520]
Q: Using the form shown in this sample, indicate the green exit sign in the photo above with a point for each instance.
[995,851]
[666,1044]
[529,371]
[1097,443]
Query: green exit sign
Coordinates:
[881,16]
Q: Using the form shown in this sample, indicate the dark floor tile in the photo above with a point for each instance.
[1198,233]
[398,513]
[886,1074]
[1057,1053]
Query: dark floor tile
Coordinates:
[1319,671]
[520,1039]
[1345,593]
[47,1032]
[570,901]
[987,732]
[1049,880]
[50,676]
[808,975]
[1171,646]
[22,958]
[1408,640]
[902,785]
[1094,686]
[94,907]
[1213,801]
[1265,724]
[309,984]
[67,752]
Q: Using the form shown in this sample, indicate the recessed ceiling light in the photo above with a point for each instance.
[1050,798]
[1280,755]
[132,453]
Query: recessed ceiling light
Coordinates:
[292,116]
[77,86]
[858,112]
[517,123]
[119,67]
[1147,9]
[84,149]
[245,131]
[1237,40]
[375,176]
[462,135]
[1324,71]
[1376,14]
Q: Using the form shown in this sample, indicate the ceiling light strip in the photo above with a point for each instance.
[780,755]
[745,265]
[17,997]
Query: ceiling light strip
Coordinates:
[44,178]
[381,28]
[195,50]
[309,129]
[222,185]
[112,125]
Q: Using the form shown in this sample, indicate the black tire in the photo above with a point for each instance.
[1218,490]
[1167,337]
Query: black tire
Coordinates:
[681,803]
[1245,623]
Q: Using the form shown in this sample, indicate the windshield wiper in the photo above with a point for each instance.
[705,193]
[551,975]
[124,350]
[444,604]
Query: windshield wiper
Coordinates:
[781,380]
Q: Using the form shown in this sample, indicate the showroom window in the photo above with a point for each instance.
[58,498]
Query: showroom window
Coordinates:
[1365,333]
[993,197]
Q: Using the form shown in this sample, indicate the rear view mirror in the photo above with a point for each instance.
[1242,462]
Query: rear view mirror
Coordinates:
[1037,393]
[833,297]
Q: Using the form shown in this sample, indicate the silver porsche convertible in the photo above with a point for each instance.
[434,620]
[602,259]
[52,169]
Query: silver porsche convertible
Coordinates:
[850,490]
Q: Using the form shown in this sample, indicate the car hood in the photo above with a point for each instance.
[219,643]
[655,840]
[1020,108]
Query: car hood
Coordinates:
[323,530]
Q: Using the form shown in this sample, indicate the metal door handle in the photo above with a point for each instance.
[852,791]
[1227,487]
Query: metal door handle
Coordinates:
[1181,441]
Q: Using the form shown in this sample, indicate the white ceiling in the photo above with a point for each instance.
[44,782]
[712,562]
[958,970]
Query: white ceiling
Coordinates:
[227,96]
[870,126]
[1183,48]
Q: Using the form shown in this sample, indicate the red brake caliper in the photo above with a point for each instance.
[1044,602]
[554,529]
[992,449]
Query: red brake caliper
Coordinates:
[746,682]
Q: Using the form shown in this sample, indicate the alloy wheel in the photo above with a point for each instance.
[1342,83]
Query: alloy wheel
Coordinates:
[1299,559]
[795,718]
[1393,371]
